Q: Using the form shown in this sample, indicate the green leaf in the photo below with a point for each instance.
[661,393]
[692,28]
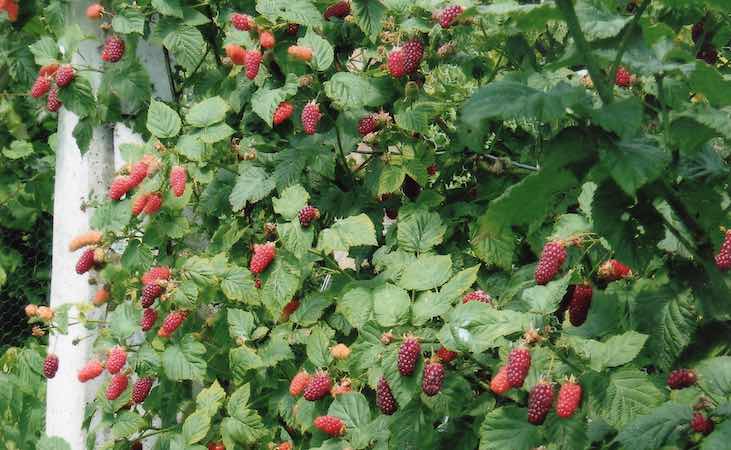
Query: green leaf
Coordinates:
[545,299]
[168,7]
[302,12]
[419,231]
[322,51]
[52,443]
[391,305]
[599,22]
[252,185]
[356,306]
[310,310]
[240,323]
[184,361]
[137,256]
[45,51]
[345,233]
[237,283]
[352,408]
[351,91]
[318,347]
[427,272]
[247,431]
[651,431]
[126,424]
[615,351]
[719,439]
[18,150]
[477,326]
[242,360]
[209,399]
[459,283]
[506,100]
[162,120]
[628,394]
[714,376]
[369,15]
[296,239]
[124,320]
[507,428]
[623,117]
[418,116]
[78,96]
[215,133]
[291,201]
[635,162]
[391,179]
[187,45]
[196,427]
[209,111]
[285,276]
[265,100]
[129,20]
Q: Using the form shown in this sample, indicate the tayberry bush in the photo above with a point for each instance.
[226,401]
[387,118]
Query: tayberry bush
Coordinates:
[406,224]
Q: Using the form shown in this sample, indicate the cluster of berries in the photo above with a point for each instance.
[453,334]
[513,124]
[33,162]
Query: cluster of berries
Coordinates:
[50,79]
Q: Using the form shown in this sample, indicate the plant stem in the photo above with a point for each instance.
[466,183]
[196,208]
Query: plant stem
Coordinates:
[569,15]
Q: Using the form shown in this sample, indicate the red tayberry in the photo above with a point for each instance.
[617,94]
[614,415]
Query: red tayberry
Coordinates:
[116,359]
[262,257]
[139,202]
[94,11]
[569,399]
[156,273]
[236,53]
[499,383]
[446,356]
[148,319]
[243,22]
[518,365]
[311,117]
[449,15]
[141,389]
[53,103]
[613,270]
[681,378]
[540,400]
[339,9]
[116,386]
[266,39]
[113,49]
[408,356]
[119,187]
[623,78]
[298,383]
[50,366]
[293,28]
[477,296]
[413,53]
[171,323]
[318,386]
[252,60]
[178,178]
[330,425]
[433,378]
[701,424]
[550,262]
[396,63]
[65,75]
[91,370]
[308,214]
[40,87]
[579,304]
[86,261]
[153,204]
[385,400]
[367,125]
[138,173]
[283,112]
[723,258]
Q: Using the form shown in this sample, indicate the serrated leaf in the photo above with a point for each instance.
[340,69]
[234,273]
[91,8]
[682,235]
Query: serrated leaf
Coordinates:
[126,424]
[357,306]
[187,45]
[351,91]
[302,12]
[615,351]
[162,120]
[598,21]
[345,233]
[52,443]
[651,431]
[318,347]
[477,326]
[427,272]
[391,305]
[209,111]
[322,52]
[252,185]
[168,7]
[237,283]
[719,439]
[296,239]
[623,117]
[210,399]
[184,361]
[391,179]
[240,323]
[196,427]
[369,15]
[128,21]
[628,394]
[352,408]
[291,201]
[507,427]
[635,162]
[715,377]
[78,96]
[419,231]
[124,321]
[545,299]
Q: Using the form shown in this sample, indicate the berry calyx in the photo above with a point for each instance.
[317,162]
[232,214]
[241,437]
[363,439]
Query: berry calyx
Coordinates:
[318,386]
[50,366]
[148,319]
[701,424]
[116,359]
[252,60]
[569,399]
[449,14]
[53,103]
[298,383]
[266,39]
[308,214]
[613,270]
[681,379]
[413,52]
[330,425]
[262,257]
[540,400]
[623,78]
[300,53]
[283,112]
[446,356]
[433,378]
[117,385]
[518,365]
[340,10]
[499,383]
[311,117]
[477,296]
[408,356]
[113,49]
[91,370]
[178,178]
[94,11]
[723,258]
[385,400]
[396,63]
[236,54]
[141,389]
[579,304]
[550,262]
[40,87]
[65,75]
[171,323]
[86,261]
[243,22]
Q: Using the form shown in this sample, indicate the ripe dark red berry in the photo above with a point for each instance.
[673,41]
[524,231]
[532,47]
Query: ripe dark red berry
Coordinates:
[330,425]
[339,9]
[252,60]
[148,319]
[708,53]
[384,398]
[623,77]
[477,296]
[65,75]
[449,15]
[86,261]
[116,359]
[298,383]
[318,386]
[242,22]
[723,258]
[262,257]
[113,49]
[50,366]
[396,63]
[431,383]
[283,112]
[701,424]
[293,28]
[91,370]
[413,53]
[569,399]
[540,400]
[518,365]
[149,293]
[681,378]
[141,389]
[408,356]
[446,356]
[116,386]
[311,117]
[579,304]
[308,214]
[550,262]
[53,103]
[499,383]
[367,125]
[40,87]
[171,323]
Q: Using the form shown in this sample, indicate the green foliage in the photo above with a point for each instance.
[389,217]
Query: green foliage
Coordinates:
[497,144]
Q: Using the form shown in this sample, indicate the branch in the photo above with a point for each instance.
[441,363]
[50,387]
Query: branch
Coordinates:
[569,14]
